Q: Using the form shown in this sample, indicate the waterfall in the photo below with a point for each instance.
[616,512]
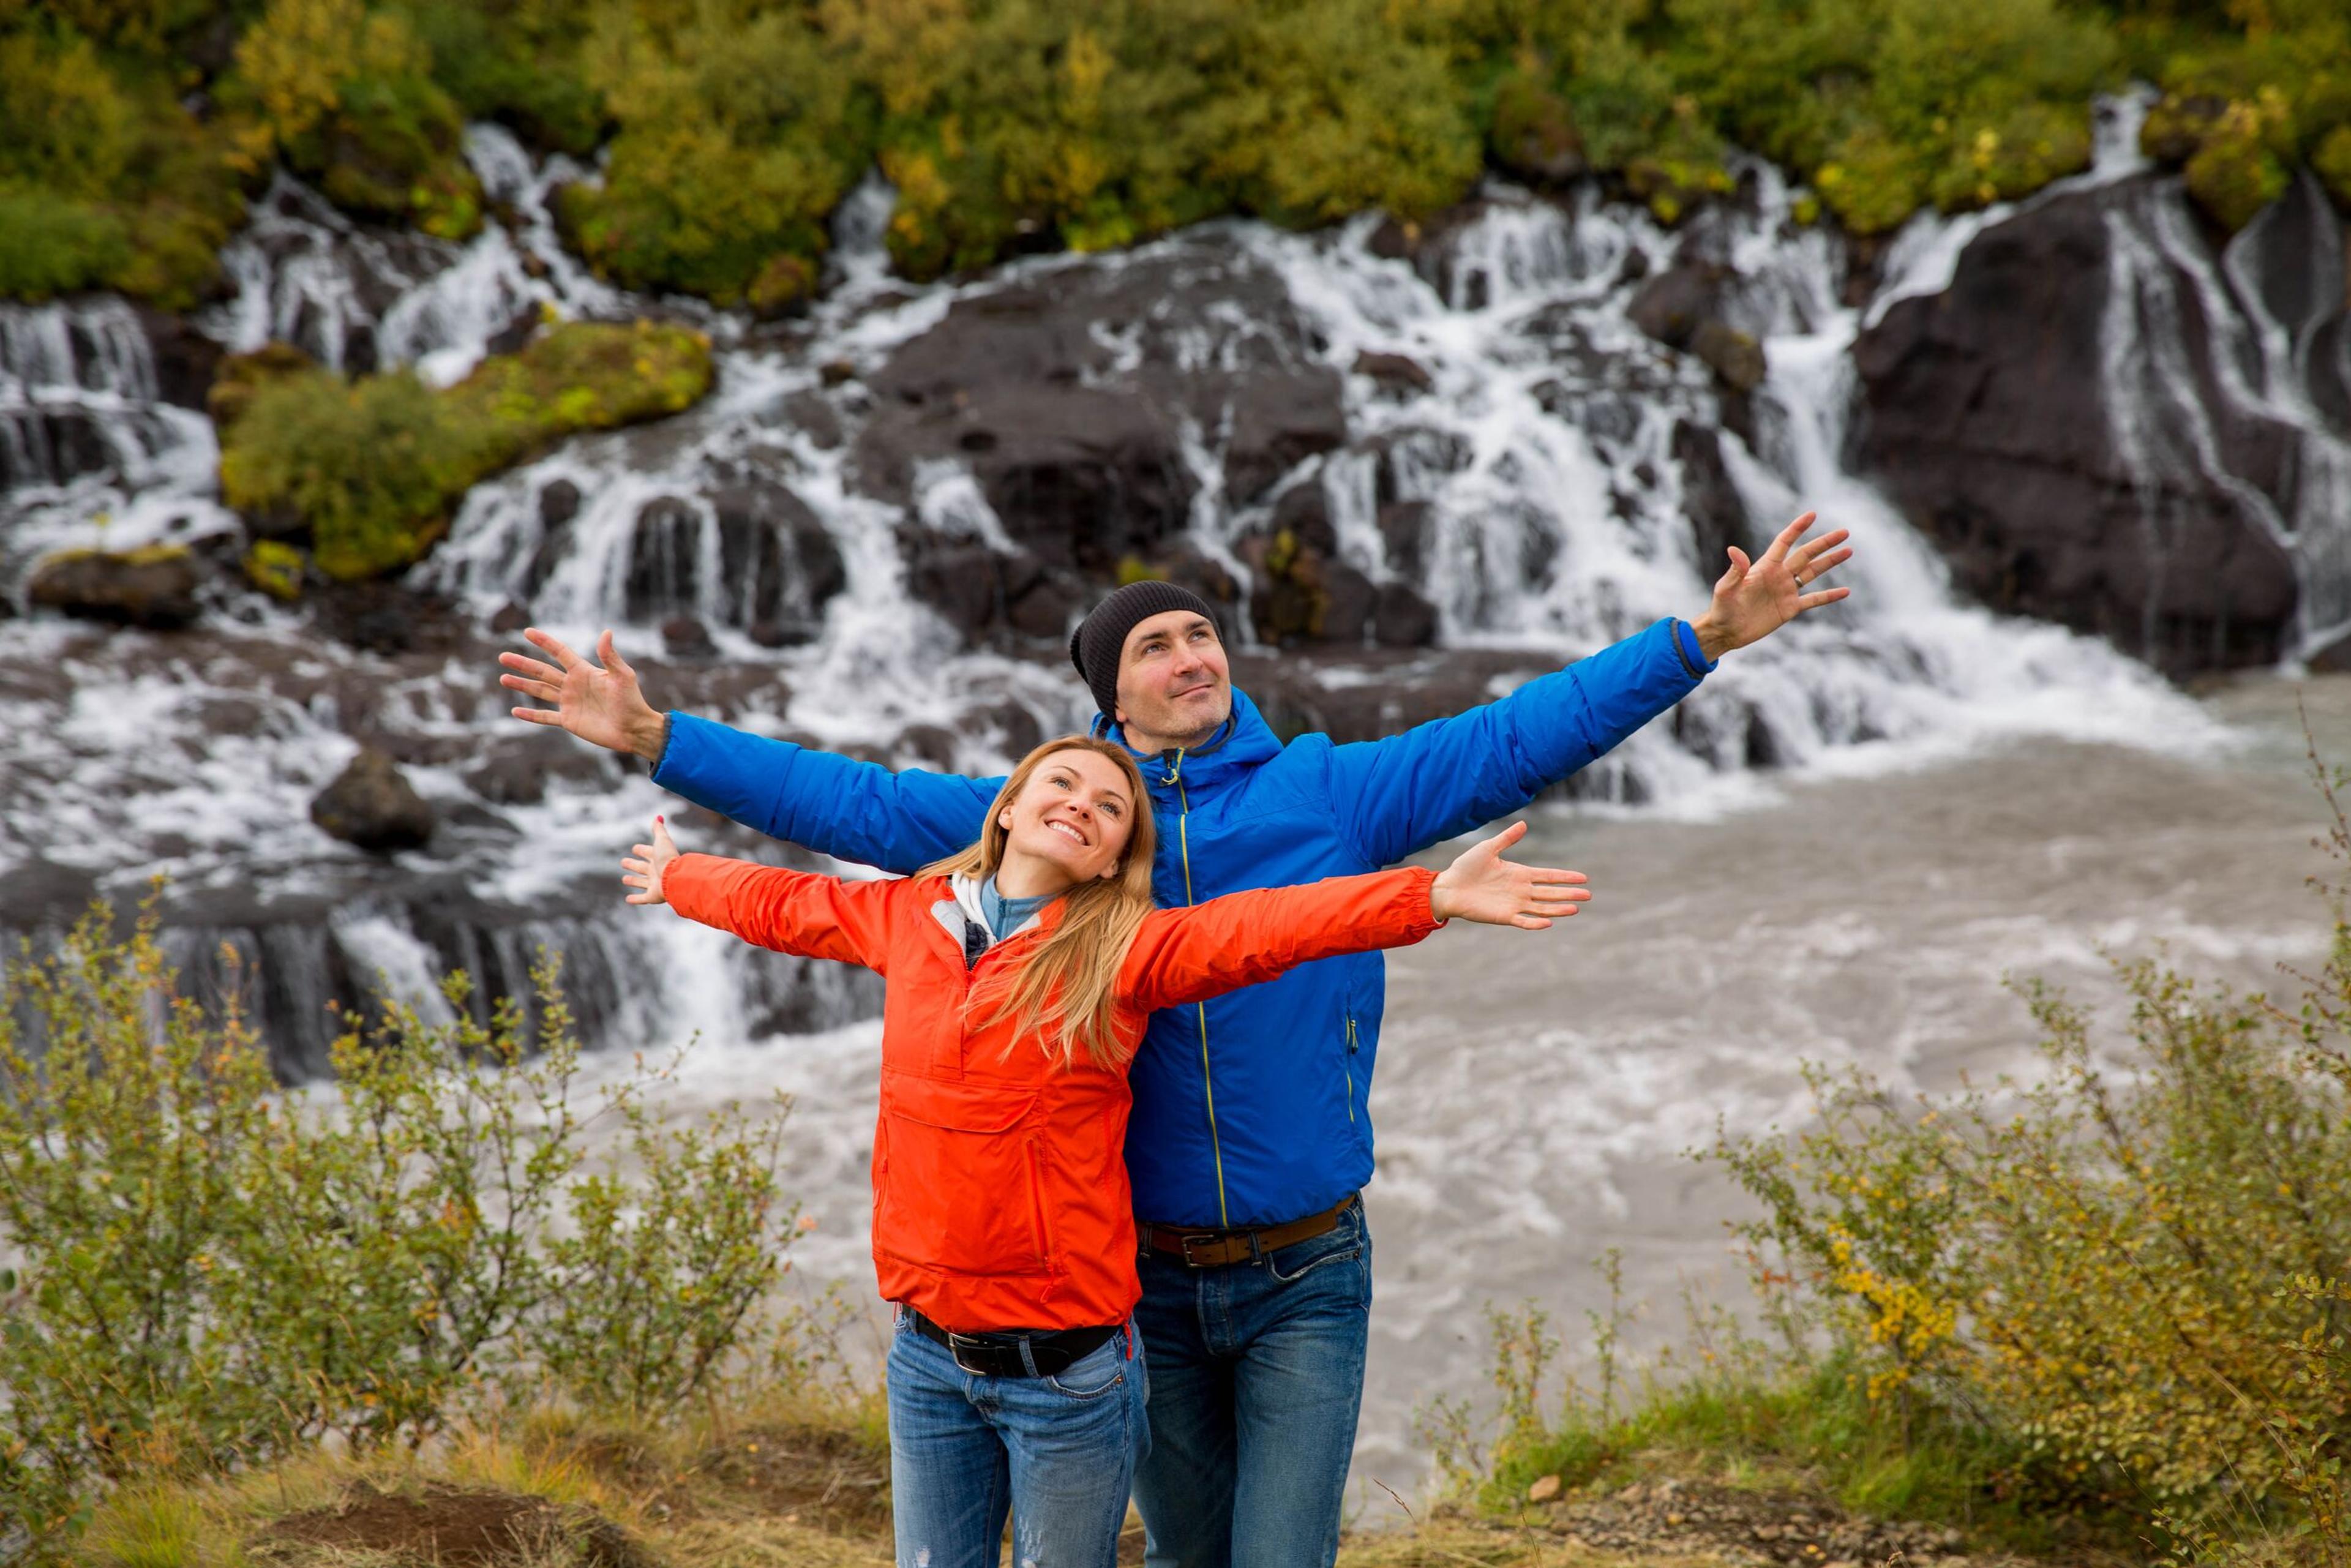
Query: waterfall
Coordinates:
[2192,347]
[1544,475]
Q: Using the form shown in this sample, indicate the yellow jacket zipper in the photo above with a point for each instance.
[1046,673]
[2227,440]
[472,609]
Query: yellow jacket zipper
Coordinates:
[1208,1088]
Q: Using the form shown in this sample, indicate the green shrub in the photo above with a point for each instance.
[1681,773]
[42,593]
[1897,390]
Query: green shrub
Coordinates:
[51,245]
[734,146]
[2059,1312]
[216,1271]
[345,95]
[2331,159]
[373,467]
[369,467]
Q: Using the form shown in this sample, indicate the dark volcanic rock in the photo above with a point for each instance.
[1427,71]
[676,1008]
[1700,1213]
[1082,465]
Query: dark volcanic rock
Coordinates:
[683,637]
[1672,306]
[1396,372]
[558,503]
[1990,419]
[184,359]
[1405,620]
[1067,396]
[1732,354]
[152,588]
[1717,518]
[515,769]
[372,805]
[386,618]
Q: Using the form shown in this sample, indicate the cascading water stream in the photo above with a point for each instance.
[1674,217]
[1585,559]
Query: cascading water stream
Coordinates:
[1539,491]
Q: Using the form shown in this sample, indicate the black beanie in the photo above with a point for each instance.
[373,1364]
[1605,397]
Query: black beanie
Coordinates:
[1100,637]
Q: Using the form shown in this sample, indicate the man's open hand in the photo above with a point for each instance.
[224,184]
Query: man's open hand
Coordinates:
[600,704]
[1755,599]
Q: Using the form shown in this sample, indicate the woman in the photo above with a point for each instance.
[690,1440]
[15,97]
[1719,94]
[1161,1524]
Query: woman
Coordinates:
[1020,976]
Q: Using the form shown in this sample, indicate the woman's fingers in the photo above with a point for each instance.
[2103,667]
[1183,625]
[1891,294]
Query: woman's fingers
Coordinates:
[667,845]
[536,714]
[531,688]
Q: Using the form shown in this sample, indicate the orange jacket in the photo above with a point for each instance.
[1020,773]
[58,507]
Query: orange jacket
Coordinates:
[999,1188]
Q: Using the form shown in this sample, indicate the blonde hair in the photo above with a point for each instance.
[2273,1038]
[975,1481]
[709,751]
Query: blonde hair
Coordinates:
[1067,988]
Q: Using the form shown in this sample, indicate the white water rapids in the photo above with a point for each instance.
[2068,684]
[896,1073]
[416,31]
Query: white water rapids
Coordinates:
[1952,793]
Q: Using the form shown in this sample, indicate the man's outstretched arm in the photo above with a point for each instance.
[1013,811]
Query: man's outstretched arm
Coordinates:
[1450,775]
[852,810]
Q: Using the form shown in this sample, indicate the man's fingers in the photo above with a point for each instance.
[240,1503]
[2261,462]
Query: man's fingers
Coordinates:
[1738,565]
[1788,536]
[524,664]
[1826,596]
[1826,564]
[530,688]
[611,656]
[553,647]
[536,714]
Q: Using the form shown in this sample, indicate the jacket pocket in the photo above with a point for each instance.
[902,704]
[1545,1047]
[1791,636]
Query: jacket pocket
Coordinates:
[961,1193]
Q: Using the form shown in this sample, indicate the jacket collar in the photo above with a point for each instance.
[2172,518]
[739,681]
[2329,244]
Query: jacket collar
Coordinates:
[960,909]
[1241,744]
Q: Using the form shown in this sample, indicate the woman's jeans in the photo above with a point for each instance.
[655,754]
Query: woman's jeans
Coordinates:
[1257,1376]
[1058,1453]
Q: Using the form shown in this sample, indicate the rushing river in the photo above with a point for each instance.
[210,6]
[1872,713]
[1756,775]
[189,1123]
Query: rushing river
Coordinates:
[1848,836]
[1537,1094]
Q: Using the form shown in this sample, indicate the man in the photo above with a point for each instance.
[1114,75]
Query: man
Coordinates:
[1250,1140]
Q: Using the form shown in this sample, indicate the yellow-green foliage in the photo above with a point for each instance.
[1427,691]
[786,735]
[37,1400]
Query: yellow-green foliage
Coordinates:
[735,127]
[2241,107]
[276,567]
[346,96]
[371,467]
[2135,1264]
[215,1273]
[105,181]
[734,146]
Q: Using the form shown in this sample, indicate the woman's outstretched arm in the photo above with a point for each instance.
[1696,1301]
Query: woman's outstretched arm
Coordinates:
[789,911]
[1244,938]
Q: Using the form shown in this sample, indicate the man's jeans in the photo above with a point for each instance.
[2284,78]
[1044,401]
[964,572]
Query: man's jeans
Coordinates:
[1257,1376]
[1058,1453]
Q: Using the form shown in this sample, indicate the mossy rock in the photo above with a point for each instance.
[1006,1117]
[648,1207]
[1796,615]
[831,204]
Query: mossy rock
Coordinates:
[277,569]
[372,469]
[153,586]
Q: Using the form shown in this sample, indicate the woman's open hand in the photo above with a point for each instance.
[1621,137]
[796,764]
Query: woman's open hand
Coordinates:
[643,867]
[1483,886]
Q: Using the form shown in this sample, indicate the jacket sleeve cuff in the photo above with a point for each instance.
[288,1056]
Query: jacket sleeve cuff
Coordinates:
[1423,896]
[669,731]
[1694,659]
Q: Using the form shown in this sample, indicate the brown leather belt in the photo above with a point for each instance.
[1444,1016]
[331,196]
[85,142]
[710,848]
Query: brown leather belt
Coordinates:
[1222,1248]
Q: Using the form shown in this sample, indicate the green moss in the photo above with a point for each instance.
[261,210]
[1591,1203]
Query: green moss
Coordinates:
[51,243]
[372,468]
[2233,173]
[276,567]
[2332,161]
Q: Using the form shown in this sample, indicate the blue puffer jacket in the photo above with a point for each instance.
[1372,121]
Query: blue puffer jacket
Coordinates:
[1249,1110]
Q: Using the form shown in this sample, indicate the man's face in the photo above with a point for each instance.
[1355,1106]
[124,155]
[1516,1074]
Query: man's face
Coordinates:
[1174,685]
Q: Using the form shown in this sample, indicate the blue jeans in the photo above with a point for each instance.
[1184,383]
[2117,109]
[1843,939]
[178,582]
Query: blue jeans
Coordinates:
[1058,1453]
[1257,1376]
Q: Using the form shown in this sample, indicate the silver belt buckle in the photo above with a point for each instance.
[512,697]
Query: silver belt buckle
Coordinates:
[955,1346]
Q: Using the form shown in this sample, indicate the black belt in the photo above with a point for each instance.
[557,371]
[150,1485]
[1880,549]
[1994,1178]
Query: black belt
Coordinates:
[997,1354]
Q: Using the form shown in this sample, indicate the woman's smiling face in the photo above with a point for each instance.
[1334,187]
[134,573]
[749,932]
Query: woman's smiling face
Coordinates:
[1076,814]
